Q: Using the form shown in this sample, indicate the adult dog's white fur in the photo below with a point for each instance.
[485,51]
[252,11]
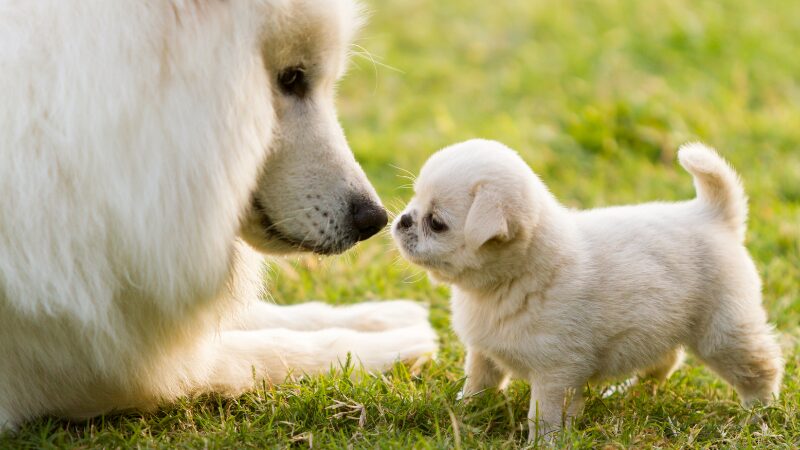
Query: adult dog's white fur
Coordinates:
[560,297]
[137,141]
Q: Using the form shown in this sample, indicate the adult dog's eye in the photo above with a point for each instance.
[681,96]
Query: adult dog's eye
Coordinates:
[437,226]
[293,81]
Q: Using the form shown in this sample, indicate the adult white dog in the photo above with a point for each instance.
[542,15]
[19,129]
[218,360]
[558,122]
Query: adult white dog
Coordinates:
[138,140]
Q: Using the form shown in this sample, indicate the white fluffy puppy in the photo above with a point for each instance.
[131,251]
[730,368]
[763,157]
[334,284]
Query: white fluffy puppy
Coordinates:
[561,297]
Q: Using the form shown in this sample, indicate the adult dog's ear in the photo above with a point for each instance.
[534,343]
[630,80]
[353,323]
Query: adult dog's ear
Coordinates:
[486,219]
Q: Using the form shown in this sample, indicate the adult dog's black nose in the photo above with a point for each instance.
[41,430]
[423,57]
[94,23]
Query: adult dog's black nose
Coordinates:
[368,217]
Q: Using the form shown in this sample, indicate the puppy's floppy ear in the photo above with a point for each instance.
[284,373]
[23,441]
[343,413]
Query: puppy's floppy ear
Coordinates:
[486,219]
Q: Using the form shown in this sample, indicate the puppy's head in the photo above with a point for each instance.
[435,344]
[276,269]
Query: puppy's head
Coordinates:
[312,194]
[472,213]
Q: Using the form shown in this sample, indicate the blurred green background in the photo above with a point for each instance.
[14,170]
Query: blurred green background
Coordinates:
[596,96]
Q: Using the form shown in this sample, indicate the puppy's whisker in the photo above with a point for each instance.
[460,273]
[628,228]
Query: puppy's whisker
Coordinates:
[395,206]
[398,264]
[412,280]
[411,174]
[398,261]
[406,175]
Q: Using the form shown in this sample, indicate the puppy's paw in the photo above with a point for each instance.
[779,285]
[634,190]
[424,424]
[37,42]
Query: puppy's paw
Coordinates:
[466,397]
[545,433]
[386,315]
[466,393]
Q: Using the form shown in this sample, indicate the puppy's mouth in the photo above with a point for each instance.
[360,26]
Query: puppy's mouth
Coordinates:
[431,263]
[422,260]
[273,232]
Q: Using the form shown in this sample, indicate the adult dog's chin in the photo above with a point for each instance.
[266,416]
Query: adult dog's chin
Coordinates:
[263,234]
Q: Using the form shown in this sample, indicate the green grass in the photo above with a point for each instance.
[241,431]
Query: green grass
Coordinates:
[596,96]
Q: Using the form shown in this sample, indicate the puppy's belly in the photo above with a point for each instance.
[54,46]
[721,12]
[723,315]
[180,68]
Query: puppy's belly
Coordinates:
[594,349]
[511,363]
[524,354]
[619,356]
[629,352]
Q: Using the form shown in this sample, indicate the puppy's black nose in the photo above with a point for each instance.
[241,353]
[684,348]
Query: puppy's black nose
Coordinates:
[405,221]
[368,217]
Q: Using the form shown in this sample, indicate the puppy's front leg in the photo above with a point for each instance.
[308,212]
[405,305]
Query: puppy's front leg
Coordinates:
[5,423]
[555,401]
[481,373]
[241,358]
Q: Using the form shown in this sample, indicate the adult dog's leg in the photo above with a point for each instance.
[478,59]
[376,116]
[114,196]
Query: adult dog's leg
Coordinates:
[253,314]
[367,316]
[242,358]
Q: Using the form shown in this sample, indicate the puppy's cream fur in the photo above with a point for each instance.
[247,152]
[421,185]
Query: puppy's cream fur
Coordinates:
[138,140]
[561,297]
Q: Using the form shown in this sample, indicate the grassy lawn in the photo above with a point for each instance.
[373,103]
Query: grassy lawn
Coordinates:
[596,96]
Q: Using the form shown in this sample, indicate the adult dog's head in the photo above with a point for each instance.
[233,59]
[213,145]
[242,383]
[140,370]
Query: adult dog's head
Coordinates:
[311,195]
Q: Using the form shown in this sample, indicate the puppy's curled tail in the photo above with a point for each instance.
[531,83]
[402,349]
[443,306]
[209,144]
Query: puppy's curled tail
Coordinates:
[717,184]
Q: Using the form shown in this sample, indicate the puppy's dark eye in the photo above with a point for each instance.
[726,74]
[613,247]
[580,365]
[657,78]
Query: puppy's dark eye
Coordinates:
[437,226]
[293,81]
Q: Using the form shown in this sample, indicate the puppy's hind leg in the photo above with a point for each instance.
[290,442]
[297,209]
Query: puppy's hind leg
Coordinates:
[743,351]
[665,367]
[657,372]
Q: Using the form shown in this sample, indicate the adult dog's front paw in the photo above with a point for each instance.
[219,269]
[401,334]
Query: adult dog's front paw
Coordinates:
[385,315]
[413,345]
